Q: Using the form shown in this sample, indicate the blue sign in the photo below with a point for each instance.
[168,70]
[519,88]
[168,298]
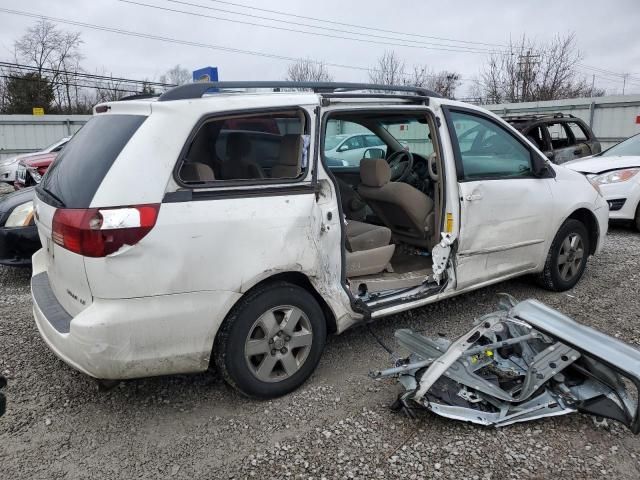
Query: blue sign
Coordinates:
[206,74]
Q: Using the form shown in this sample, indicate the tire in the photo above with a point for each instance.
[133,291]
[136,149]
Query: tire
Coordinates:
[261,355]
[637,219]
[557,276]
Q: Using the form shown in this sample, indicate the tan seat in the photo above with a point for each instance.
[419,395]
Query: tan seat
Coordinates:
[368,250]
[288,165]
[407,211]
[195,172]
[237,165]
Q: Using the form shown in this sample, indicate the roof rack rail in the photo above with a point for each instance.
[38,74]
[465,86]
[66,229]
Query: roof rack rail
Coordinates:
[198,89]
[536,116]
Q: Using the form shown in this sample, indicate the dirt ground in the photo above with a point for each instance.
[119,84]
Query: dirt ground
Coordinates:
[337,425]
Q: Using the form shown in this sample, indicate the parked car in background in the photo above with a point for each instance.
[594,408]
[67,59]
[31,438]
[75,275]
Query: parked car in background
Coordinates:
[236,251]
[9,166]
[616,171]
[31,169]
[18,233]
[351,148]
[560,136]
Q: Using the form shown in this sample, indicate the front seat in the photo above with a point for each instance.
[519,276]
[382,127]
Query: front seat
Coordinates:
[237,165]
[368,249]
[288,165]
[407,211]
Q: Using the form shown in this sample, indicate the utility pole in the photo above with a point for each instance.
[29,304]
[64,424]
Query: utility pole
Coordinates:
[624,81]
[593,82]
[525,72]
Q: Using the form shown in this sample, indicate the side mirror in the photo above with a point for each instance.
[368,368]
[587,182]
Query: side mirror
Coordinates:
[373,153]
[343,148]
[540,165]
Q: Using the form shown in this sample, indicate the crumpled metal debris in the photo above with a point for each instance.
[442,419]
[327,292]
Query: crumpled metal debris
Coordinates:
[523,362]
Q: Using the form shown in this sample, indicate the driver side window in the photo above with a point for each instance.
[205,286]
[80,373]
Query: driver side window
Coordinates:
[487,150]
[347,143]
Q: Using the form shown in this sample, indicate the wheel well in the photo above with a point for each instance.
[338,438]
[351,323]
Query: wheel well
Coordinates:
[301,280]
[588,219]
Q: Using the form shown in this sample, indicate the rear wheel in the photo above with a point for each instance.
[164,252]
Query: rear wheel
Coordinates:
[637,219]
[271,341]
[567,257]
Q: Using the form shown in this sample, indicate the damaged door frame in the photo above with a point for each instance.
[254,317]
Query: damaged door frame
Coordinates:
[445,249]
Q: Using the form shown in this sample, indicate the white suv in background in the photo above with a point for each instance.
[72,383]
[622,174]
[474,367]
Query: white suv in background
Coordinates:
[174,240]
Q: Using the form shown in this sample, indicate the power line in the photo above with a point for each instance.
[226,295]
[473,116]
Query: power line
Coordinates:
[78,85]
[376,28]
[180,41]
[85,75]
[442,47]
[323,27]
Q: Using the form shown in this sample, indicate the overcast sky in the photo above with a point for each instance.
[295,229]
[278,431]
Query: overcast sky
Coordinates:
[607,33]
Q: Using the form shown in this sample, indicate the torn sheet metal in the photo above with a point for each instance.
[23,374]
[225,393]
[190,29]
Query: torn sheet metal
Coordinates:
[524,362]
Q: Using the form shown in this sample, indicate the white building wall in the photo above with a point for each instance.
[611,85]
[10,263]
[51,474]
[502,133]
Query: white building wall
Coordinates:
[29,133]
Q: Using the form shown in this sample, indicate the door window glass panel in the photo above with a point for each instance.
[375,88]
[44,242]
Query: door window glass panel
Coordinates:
[251,147]
[346,144]
[487,150]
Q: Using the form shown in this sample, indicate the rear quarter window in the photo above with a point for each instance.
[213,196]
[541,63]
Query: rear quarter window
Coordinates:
[76,174]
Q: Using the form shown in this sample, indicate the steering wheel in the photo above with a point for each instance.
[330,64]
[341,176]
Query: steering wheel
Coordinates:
[400,166]
[432,167]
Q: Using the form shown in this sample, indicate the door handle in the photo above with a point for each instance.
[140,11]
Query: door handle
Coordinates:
[577,151]
[473,197]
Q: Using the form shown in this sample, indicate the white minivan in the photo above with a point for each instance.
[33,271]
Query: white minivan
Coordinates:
[206,227]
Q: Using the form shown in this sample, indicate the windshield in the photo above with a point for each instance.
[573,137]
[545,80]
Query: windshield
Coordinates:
[630,147]
[412,133]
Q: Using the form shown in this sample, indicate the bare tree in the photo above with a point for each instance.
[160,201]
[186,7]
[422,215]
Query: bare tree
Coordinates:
[54,55]
[530,71]
[308,70]
[390,70]
[176,76]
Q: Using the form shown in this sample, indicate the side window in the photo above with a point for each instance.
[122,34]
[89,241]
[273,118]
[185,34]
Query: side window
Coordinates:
[372,141]
[257,147]
[559,135]
[487,150]
[536,136]
[578,132]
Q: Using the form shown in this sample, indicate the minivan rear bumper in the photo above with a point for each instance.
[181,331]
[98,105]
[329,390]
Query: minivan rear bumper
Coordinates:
[131,338]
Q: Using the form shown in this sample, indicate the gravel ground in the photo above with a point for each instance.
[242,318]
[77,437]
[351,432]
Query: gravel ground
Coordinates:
[336,426]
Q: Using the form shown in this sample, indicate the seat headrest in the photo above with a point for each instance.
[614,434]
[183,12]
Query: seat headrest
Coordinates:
[196,172]
[238,145]
[374,172]
[290,147]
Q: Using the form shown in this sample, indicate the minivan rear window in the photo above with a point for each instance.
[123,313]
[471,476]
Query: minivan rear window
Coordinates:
[76,174]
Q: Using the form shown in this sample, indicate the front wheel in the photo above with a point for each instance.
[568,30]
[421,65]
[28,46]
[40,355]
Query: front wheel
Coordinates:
[272,341]
[567,257]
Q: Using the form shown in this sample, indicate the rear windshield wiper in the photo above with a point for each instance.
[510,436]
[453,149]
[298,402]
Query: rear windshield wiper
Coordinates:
[51,196]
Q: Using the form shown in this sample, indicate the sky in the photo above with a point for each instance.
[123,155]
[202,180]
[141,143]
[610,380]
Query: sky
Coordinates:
[443,35]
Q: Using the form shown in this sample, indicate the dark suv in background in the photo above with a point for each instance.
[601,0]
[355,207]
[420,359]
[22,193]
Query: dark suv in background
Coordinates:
[560,136]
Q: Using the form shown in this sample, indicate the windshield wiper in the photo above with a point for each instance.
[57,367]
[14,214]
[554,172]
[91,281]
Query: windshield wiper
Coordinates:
[52,195]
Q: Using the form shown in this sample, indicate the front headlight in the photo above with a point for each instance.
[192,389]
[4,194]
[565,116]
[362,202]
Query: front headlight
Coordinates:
[616,176]
[21,216]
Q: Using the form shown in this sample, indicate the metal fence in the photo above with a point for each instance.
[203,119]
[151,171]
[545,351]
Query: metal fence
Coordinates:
[28,133]
[612,118]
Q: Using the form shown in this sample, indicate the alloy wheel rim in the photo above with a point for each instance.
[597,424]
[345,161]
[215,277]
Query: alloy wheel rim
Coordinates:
[278,343]
[570,256]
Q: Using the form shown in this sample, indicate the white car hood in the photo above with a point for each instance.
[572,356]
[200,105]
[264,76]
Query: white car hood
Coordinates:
[602,164]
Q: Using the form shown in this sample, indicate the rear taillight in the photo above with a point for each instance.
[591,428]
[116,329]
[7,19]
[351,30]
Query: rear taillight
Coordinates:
[98,232]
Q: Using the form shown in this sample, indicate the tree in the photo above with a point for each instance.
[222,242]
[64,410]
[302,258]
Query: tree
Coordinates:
[390,70]
[530,71]
[308,70]
[23,92]
[176,76]
[53,54]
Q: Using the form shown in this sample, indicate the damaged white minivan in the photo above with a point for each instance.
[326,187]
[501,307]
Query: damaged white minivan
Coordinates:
[208,226]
